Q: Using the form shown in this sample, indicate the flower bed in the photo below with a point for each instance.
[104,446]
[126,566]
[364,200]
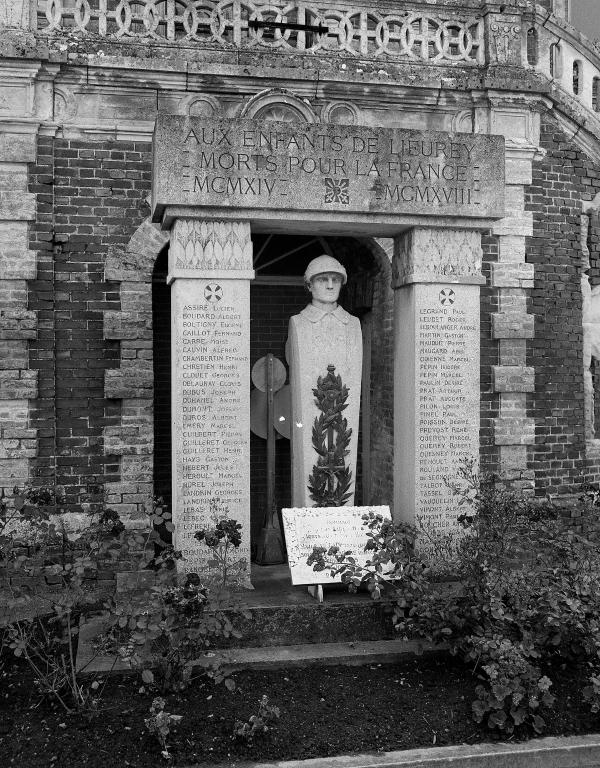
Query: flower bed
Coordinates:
[324,711]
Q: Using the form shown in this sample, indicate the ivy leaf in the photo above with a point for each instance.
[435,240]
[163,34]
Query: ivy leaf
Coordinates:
[148,676]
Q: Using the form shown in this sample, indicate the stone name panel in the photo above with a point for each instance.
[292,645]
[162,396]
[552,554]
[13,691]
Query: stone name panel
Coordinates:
[446,395]
[309,527]
[247,164]
[210,409]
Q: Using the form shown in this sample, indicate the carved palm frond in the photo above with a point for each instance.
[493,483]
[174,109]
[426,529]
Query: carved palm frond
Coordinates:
[330,482]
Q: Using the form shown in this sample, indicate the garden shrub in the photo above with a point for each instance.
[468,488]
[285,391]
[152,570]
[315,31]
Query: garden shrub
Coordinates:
[45,583]
[175,624]
[160,724]
[257,725]
[525,594]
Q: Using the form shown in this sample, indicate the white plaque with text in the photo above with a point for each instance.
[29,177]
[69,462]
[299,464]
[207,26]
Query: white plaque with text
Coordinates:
[308,527]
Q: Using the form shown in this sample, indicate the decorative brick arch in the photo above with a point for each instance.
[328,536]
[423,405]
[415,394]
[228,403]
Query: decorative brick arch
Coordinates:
[132,442]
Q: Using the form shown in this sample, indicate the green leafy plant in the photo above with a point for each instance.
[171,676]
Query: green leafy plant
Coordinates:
[175,629]
[41,620]
[514,690]
[393,561]
[525,594]
[330,482]
[223,538]
[160,724]
[259,724]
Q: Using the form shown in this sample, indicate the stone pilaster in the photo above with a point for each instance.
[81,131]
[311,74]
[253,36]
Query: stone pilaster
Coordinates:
[25,102]
[18,384]
[512,379]
[210,268]
[436,278]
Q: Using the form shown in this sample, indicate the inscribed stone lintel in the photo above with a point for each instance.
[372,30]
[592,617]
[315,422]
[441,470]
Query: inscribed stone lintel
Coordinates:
[331,171]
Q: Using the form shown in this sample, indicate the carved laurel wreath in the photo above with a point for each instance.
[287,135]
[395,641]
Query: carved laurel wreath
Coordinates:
[330,481]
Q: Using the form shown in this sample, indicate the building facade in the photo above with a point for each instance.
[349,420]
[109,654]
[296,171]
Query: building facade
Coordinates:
[86,328]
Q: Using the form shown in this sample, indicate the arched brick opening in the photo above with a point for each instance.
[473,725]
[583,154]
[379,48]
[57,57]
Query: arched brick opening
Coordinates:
[142,382]
[276,293]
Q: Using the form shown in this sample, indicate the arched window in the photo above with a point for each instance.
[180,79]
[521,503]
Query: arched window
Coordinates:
[576,78]
[596,94]
[532,46]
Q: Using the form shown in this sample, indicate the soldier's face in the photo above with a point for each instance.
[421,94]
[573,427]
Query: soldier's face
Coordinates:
[325,288]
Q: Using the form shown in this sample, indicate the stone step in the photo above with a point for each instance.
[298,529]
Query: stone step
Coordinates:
[286,624]
[284,614]
[267,657]
[283,625]
[309,654]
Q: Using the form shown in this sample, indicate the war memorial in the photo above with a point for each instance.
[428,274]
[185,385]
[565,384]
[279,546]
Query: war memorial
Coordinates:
[281,266]
[165,155]
[169,172]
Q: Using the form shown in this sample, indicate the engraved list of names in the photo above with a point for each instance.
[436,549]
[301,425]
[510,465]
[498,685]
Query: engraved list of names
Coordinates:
[210,409]
[447,395]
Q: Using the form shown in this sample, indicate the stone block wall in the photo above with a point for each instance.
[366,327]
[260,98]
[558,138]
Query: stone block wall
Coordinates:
[560,182]
[18,322]
[489,408]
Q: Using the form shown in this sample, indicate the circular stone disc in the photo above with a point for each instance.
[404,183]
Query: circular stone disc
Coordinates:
[282,411]
[259,374]
[258,413]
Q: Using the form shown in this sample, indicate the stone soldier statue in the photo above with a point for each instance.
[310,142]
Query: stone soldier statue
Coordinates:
[323,336]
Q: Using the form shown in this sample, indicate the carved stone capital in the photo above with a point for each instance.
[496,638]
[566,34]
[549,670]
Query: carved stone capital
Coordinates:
[428,255]
[199,247]
[505,39]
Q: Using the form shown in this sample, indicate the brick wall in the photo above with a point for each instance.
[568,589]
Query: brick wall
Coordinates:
[92,198]
[561,181]
[489,404]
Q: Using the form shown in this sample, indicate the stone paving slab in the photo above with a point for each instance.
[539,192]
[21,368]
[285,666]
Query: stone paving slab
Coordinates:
[551,752]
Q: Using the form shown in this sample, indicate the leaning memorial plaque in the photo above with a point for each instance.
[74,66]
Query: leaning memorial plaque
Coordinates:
[308,527]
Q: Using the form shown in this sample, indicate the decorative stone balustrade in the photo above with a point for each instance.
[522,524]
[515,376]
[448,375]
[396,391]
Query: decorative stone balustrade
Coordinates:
[405,35]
